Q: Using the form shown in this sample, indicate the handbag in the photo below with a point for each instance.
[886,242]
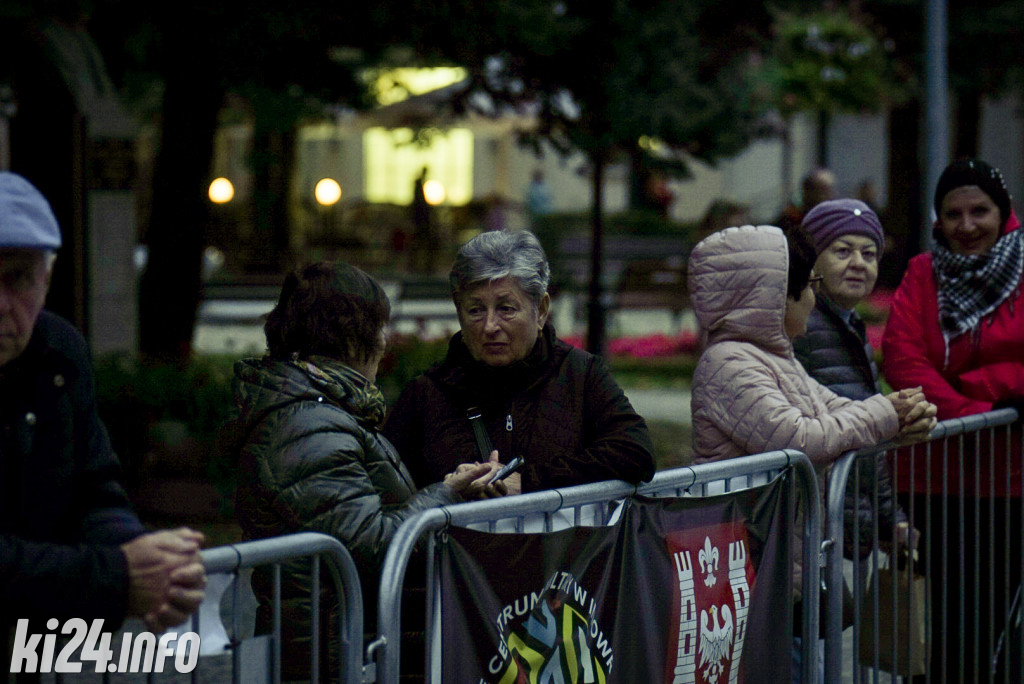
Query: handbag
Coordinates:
[906,629]
[847,614]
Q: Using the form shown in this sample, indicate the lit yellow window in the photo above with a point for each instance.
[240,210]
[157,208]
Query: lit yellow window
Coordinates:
[393,160]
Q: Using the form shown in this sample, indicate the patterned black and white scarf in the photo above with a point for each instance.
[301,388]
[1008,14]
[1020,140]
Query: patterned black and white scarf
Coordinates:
[971,286]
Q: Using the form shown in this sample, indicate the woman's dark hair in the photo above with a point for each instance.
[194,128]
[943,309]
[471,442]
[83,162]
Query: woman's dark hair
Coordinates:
[801,261]
[330,309]
[964,172]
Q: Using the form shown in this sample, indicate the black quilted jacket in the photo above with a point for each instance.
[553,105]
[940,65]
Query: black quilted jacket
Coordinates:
[836,354]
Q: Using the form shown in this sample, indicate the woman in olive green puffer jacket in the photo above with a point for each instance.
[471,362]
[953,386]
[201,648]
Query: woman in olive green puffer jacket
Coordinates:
[310,455]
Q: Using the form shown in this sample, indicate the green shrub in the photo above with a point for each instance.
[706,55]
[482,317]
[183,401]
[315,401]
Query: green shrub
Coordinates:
[653,372]
[407,356]
[161,413]
[148,407]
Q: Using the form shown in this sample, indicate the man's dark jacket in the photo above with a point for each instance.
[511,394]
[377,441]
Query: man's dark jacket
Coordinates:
[559,408]
[63,512]
[836,353]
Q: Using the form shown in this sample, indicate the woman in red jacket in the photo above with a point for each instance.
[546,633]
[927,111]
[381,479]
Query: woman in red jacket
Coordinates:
[957,322]
[956,329]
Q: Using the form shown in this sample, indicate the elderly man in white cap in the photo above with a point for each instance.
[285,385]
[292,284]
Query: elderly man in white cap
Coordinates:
[849,240]
[70,543]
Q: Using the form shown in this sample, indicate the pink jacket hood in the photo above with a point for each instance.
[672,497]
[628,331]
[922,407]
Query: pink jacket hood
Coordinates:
[737,280]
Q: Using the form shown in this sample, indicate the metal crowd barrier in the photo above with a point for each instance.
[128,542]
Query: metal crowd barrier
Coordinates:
[232,559]
[590,505]
[960,506]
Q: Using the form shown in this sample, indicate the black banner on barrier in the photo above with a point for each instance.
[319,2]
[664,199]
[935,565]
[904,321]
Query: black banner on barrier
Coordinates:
[679,590]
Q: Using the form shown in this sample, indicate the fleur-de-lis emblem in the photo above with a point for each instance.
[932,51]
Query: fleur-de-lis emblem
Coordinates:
[708,559]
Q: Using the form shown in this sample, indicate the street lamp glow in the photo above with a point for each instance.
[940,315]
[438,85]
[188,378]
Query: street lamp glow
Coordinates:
[221,191]
[433,192]
[327,191]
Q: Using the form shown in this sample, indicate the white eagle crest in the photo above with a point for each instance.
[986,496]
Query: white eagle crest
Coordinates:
[715,641]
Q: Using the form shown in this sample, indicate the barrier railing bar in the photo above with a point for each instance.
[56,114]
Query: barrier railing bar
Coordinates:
[275,661]
[314,598]
[234,557]
[384,652]
[1011,590]
[957,428]
[838,476]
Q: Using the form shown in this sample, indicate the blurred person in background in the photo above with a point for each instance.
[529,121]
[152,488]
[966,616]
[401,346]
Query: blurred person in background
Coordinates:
[421,243]
[722,213]
[658,194]
[956,328]
[538,198]
[535,396]
[70,543]
[311,456]
[817,186]
[753,290]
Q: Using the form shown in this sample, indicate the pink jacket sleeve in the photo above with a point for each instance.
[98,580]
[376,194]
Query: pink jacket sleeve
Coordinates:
[757,414]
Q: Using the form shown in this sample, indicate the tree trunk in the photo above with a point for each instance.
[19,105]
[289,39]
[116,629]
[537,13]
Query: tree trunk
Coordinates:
[902,218]
[270,246]
[637,179]
[787,162]
[170,287]
[595,305]
[968,124]
[824,119]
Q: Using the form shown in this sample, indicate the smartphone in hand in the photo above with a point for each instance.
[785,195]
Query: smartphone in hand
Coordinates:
[507,469]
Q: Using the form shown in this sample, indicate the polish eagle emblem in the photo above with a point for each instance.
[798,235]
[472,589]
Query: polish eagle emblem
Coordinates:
[715,641]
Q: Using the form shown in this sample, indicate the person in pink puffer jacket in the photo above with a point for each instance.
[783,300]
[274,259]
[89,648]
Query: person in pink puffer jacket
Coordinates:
[752,291]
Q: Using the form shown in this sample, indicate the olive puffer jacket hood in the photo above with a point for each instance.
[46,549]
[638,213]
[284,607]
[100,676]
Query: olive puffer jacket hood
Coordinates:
[309,461]
[310,464]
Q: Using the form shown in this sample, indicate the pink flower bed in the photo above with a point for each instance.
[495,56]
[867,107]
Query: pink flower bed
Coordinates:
[880,301]
[646,346]
[661,345]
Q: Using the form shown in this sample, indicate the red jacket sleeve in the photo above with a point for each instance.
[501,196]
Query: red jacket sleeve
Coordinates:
[913,351]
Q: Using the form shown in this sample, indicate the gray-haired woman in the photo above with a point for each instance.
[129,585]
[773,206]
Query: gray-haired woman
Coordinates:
[537,397]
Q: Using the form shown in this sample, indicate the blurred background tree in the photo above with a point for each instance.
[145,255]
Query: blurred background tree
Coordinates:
[651,81]
[828,63]
[181,61]
[984,54]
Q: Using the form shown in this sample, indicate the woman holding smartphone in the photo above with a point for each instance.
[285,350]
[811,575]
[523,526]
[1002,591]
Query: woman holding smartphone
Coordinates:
[508,380]
[311,457]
